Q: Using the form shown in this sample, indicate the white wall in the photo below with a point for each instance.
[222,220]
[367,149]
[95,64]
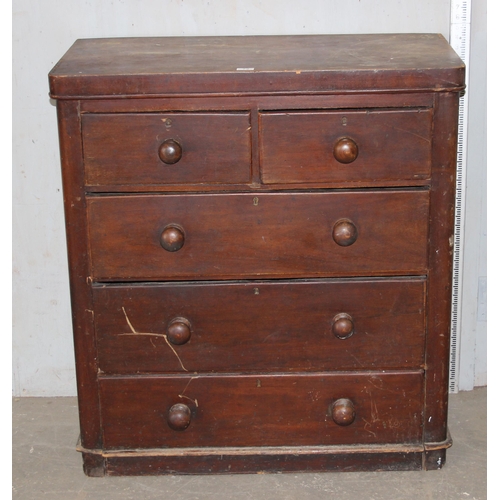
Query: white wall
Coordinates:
[472,358]
[42,32]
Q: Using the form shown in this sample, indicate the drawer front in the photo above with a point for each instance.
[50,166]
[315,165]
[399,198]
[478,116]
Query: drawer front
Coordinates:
[323,234]
[255,410]
[261,326]
[377,146]
[138,149]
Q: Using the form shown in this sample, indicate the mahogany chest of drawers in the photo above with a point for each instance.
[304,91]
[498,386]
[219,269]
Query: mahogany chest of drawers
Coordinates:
[260,236]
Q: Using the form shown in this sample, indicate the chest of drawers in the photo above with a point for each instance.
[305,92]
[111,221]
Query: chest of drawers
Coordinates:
[260,237]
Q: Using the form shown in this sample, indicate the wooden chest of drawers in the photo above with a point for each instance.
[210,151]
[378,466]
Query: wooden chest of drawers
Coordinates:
[260,242]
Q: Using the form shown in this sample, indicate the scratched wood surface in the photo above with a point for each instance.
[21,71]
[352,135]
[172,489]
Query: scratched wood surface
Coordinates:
[261,326]
[314,63]
[259,250]
[261,410]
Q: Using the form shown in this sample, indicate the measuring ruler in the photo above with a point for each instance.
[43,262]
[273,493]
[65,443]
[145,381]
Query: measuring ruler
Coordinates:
[460,41]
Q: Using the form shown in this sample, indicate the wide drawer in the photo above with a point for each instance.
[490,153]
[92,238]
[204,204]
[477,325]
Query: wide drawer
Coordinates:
[168,148]
[260,326]
[162,237]
[368,147]
[261,410]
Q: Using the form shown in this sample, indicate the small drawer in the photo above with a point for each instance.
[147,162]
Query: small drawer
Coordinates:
[279,235]
[172,148]
[261,410]
[365,147]
[317,325]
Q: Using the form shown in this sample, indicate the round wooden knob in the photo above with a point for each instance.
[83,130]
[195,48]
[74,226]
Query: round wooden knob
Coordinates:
[179,331]
[343,412]
[179,417]
[345,150]
[170,151]
[345,232]
[343,326]
[172,238]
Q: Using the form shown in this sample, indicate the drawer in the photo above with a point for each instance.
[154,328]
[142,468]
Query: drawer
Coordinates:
[170,148]
[260,326]
[253,410]
[319,234]
[367,147]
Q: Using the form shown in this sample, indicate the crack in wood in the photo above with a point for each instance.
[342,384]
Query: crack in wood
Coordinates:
[151,334]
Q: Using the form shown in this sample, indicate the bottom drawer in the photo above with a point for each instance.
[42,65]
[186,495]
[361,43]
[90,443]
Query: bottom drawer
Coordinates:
[261,410]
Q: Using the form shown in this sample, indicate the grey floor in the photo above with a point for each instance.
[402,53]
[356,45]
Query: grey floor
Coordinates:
[46,465]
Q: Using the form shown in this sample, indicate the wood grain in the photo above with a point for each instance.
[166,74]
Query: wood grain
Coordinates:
[261,326]
[266,235]
[78,259]
[260,245]
[263,64]
[299,146]
[261,410]
[440,266]
[123,148]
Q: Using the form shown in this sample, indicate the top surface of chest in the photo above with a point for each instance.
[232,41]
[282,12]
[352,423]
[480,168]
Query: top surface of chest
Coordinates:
[255,64]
